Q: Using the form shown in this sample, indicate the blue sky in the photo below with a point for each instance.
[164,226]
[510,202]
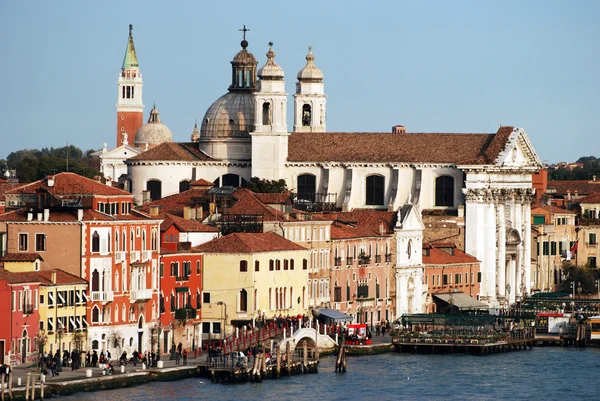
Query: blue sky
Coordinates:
[433,66]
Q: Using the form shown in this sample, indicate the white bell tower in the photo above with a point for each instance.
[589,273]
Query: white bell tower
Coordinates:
[310,113]
[270,136]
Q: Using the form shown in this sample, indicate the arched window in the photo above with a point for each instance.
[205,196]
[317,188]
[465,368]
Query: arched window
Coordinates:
[184,185]
[116,313]
[117,241]
[230,180]
[116,286]
[266,113]
[243,265]
[155,188]
[307,187]
[144,240]
[243,300]
[444,191]
[306,115]
[375,190]
[124,242]
[270,299]
[131,241]
[95,314]
[256,266]
[95,242]
[95,344]
[198,267]
[123,313]
[95,280]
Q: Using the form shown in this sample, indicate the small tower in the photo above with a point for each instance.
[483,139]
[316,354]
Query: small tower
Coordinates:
[270,136]
[310,112]
[195,137]
[130,109]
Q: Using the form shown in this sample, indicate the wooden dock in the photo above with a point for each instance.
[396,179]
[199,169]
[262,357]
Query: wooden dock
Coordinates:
[474,347]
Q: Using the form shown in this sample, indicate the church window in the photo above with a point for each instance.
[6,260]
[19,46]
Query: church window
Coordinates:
[231,180]
[122,129]
[132,88]
[155,188]
[122,117]
[306,187]
[248,79]
[184,185]
[128,92]
[266,113]
[123,93]
[231,122]
[444,191]
[306,115]
[375,190]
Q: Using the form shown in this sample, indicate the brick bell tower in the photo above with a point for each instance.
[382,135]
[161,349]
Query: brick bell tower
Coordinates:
[130,109]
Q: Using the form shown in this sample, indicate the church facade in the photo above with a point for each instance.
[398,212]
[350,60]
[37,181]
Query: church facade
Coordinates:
[244,134]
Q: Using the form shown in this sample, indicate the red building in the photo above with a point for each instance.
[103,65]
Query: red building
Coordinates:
[180,299]
[19,294]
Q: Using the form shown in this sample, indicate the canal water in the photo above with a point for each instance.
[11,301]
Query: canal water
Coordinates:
[544,373]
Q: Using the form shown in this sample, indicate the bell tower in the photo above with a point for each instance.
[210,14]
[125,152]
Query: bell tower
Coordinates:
[310,100]
[130,109]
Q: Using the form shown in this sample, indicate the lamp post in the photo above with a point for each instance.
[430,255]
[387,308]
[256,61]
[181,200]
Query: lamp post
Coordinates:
[223,305]
[573,288]
[508,297]
[158,328]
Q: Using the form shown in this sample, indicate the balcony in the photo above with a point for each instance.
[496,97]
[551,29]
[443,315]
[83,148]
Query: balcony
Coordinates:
[135,256]
[182,278]
[388,258]
[377,258]
[364,260]
[146,256]
[349,260]
[141,295]
[103,296]
[182,314]
[337,261]
[119,256]
[27,309]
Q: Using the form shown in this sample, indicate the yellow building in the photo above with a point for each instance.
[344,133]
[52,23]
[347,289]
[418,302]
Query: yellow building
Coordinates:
[249,277]
[62,308]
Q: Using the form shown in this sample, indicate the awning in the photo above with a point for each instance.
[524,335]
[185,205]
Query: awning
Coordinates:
[182,289]
[331,315]
[460,300]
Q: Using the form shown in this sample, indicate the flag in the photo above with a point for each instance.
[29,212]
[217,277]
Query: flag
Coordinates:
[574,247]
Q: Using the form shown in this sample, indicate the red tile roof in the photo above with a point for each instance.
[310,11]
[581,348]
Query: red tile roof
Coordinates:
[389,147]
[552,209]
[593,198]
[345,231]
[248,243]
[69,184]
[185,225]
[202,183]
[275,198]
[21,257]
[173,151]
[367,218]
[43,277]
[64,216]
[438,256]
[7,186]
[582,187]
[174,204]
[247,202]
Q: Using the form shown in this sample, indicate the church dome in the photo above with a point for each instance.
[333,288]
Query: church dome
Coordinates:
[310,72]
[230,116]
[271,70]
[154,132]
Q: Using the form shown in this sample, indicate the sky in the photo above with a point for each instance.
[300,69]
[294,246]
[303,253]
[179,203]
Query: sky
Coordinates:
[433,66]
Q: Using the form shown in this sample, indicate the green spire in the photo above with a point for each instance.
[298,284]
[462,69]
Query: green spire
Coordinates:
[130,61]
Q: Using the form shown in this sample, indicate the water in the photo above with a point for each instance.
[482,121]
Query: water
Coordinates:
[550,373]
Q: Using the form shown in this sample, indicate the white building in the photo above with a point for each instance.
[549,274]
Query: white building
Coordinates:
[244,134]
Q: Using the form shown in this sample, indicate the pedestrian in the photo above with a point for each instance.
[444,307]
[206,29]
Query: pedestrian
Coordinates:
[73,360]
[185,355]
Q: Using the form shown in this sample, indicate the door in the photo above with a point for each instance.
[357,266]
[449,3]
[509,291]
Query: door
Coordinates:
[1,352]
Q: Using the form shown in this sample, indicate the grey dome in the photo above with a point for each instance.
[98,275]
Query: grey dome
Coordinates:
[271,70]
[154,132]
[230,116]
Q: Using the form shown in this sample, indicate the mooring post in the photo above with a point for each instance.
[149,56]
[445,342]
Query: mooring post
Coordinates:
[2,386]
[288,353]
[305,362]
[27,387]
[10,380]
[278,360]
[42,387]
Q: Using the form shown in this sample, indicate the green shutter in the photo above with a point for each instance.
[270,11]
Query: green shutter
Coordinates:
[537,220]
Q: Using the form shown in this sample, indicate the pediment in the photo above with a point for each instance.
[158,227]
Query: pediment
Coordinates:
[122,152]
[409,219]
[518,152]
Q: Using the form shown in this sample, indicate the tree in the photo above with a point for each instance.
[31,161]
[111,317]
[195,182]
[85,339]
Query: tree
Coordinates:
[585,275]
[262,185]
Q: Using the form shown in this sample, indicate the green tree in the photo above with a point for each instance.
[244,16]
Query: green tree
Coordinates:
[27,169]
[267,186]
[579,274]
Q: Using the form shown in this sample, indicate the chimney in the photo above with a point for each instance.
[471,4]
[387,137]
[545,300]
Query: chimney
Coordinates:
[187,212]
[398,129]
[29,216]
[53,277]
[39,216]
[594,178]
[50,180]
[79,214]
[200,213]
[461,210]
[46,214]
[211,208]
[146,196]
[154,210]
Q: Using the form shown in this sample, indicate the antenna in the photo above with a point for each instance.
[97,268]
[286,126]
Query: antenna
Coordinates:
[67,157]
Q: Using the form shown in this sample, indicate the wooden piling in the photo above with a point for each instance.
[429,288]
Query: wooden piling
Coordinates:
[27,387]
[42,380]
[10,380]
[305,359]
[2,386]
[288,352]
[278,372]
[263,366]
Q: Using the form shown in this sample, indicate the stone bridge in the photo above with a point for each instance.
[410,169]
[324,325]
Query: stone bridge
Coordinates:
[323,341]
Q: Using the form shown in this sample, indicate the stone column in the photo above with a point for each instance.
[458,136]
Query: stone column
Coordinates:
[525,279]
[490,253]
[501,262]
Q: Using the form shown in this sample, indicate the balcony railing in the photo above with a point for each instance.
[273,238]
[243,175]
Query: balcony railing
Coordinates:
[388,257]
[135,256]
[315,202]
[349,260]
[377,258]
[103,296]
[146,256]
[141,295]
[364,260]
[182,278]
[119,256]
[27,309]
[337,261]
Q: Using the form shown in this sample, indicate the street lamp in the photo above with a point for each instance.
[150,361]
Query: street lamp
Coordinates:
[579,289]
[223,305]
[158,328]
